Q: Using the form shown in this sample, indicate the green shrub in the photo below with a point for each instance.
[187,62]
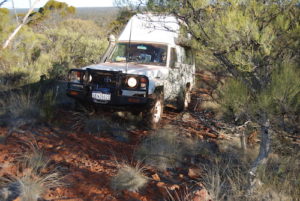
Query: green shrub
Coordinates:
[51,11]
[283,94]
[69,43]
[234,99]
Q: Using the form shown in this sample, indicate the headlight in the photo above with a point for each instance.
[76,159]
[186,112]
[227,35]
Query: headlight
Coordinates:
[132,82]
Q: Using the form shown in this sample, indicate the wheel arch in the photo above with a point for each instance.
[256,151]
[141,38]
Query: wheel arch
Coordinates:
[188,85]
[159,89]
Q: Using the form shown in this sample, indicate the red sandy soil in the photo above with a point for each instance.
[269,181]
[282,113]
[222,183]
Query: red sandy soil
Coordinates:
[89,162]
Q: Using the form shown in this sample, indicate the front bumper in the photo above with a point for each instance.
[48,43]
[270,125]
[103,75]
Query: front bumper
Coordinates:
[115,99]
[120,95]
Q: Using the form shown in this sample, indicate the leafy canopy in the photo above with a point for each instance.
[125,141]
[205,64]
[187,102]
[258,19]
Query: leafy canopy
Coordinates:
[251,39]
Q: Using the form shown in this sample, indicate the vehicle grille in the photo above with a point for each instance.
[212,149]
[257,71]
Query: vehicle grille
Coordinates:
[102,79]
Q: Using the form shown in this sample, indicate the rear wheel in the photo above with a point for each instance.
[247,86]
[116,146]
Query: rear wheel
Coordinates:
[153,113]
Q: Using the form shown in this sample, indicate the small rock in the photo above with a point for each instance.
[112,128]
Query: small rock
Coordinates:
[201,195]
[49,146]
[194,172]
[161,184]
[181,176]
[57,158]
[186,117]
[173,187]
[156,177]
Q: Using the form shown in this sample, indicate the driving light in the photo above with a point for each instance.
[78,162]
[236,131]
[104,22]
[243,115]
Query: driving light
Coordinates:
[143,82]
[132,82]
[75,76]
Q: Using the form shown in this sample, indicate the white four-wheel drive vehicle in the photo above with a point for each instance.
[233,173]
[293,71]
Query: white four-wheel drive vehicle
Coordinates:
[142,71]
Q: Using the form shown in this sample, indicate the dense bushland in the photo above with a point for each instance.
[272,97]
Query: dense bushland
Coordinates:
[51,43]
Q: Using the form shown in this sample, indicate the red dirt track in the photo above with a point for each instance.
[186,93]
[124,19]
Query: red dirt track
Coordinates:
[88,162]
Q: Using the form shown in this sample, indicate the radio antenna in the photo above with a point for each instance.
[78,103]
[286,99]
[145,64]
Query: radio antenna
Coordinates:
[129,45]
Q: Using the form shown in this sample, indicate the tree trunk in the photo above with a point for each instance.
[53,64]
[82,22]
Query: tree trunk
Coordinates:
[262,157]
[243,142]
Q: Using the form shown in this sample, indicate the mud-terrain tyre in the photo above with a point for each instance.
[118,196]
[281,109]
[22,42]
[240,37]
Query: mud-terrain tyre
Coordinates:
[153,113]
[183,99]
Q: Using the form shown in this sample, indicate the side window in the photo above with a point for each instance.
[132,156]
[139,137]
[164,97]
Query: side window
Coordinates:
[173,57]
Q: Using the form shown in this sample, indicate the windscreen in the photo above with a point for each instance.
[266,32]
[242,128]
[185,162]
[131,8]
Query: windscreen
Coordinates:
[153,54]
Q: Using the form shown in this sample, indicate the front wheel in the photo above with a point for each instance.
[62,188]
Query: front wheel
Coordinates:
[154,111]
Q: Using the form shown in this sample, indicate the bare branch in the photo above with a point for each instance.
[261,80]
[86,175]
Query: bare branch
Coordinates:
[10,38]
[3,2]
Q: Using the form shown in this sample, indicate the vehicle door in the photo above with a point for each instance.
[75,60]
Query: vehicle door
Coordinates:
[174,81]
[188,67]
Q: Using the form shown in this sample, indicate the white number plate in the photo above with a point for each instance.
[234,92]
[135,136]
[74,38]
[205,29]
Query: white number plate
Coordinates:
[101,96]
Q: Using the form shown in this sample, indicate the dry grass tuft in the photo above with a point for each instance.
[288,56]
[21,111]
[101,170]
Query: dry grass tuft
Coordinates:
[96,125]
[226,178]
[167,149]
[27,107]
[34,177]
[281,176]
[210,105]
[22,107]
[129,178]
[30,187]
[184,195]
[161,149]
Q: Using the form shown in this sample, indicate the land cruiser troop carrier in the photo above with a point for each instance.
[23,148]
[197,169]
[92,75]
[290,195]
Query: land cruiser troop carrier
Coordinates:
[142,70]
